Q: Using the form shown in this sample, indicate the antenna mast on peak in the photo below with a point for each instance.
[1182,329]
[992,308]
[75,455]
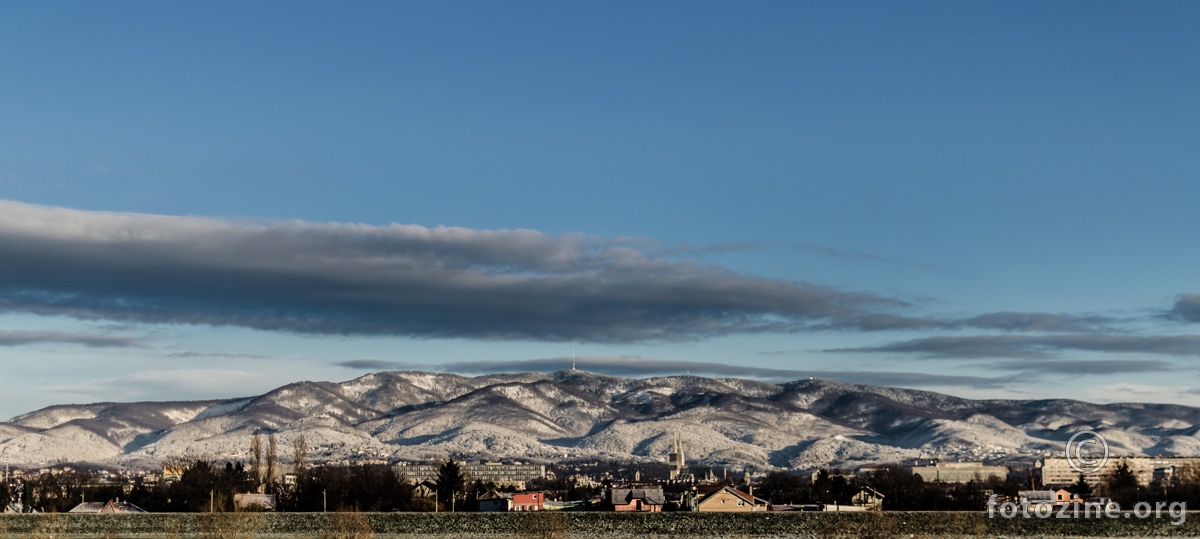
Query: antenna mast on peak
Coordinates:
[572,359]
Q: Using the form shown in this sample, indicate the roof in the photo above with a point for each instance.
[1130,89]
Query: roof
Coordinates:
[741,495]
[1036,495]
[871,491]
[493,495]
[626,495]
[106,507]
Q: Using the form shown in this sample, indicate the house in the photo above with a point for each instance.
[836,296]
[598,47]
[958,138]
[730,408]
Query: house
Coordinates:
[729,499]
[1035,498]
[869,499]
[1057,497]
[172,474]
[642,499]
[425,489]
[528,501]
[492,501]
[264,502]
[1063,496]
[106,507]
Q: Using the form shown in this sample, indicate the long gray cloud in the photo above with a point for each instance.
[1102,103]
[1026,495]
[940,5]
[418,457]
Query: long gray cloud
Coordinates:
[334,278]
[25,338]
[638,367]
[1035,346]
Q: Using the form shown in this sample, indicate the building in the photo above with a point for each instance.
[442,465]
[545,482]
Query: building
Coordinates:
[264,502]
[495,502]
[1057,471]
[869,499]
[172,474]
[106,507]
[675,460]
[501,474]
[528,501]
[425,489]
[731,500]
[640,499]
[959,472]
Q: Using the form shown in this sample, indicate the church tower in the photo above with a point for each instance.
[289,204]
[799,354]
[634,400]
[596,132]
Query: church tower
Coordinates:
[675,459]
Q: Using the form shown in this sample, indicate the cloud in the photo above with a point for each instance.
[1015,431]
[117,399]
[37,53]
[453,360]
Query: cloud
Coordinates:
[1186,309]
[377,365]
[1142,393]
[25,338]
[638,367]
[172,384]
[1085,367]
[1035,346]
[1039,322]
[731,247]
[214,355]
[353,279]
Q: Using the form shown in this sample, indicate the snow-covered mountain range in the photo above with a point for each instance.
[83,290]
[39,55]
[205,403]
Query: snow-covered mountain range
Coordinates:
[392,416]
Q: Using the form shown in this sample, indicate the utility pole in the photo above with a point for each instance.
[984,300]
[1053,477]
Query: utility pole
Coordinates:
[324,502]
[211,499]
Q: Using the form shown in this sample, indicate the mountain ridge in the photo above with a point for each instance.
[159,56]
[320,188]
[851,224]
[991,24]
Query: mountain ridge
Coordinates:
[413,415]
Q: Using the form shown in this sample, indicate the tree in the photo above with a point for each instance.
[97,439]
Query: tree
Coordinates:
[272,454]
[1081,488]
[1122,486]
[256,458]
[299,453]
[450,480]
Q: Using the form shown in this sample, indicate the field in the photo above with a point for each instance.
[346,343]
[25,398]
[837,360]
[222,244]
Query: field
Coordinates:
[556,525]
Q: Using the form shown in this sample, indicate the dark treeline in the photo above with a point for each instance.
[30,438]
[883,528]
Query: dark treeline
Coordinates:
[1122,486]
[370,488]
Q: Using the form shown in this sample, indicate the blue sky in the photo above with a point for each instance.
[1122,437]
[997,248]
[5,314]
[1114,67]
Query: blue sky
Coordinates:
[961,166]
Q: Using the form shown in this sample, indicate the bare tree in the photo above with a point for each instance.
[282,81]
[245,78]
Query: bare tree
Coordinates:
[272,454]
[299,453]
[256,458]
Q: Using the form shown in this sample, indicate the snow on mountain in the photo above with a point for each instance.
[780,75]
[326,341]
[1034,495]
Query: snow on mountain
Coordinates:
[390,416]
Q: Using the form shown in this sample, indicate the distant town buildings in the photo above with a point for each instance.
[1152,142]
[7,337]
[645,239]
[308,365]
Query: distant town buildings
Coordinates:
[1058,470]
[500,474]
